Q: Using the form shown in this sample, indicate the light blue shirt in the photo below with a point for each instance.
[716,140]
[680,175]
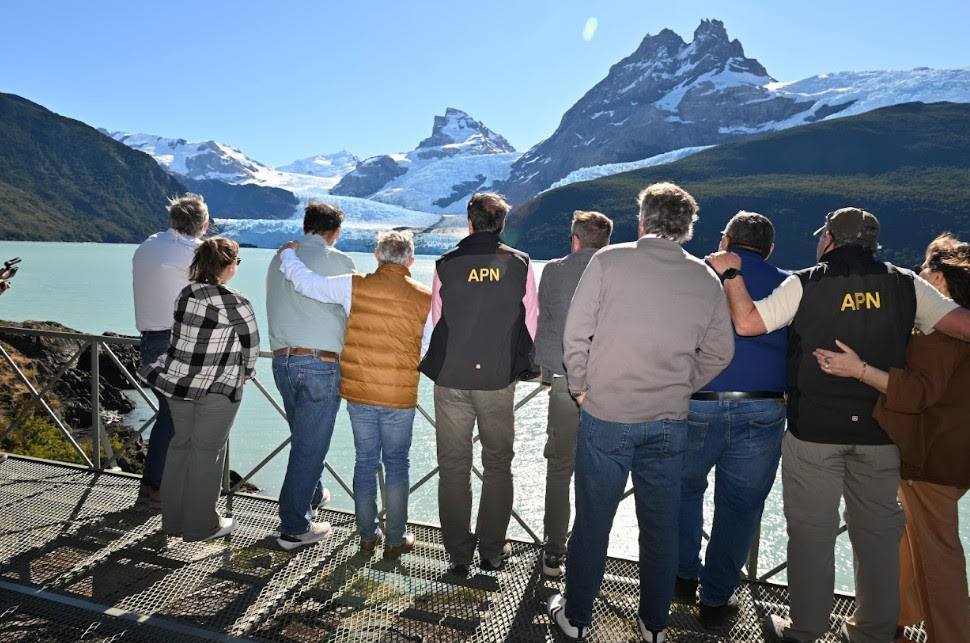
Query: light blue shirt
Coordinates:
[333,289]
[298,321]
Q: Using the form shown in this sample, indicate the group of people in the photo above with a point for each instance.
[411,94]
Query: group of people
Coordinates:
[659,365]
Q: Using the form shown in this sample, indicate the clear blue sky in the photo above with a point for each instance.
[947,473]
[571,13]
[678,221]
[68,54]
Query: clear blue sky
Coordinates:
[284,80]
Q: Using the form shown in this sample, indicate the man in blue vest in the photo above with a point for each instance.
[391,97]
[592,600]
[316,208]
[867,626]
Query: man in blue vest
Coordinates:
[735,426]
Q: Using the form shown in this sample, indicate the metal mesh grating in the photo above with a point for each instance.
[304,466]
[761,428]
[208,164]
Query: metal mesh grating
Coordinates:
[80,561]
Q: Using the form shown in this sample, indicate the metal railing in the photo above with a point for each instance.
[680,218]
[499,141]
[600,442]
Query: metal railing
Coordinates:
[100,344]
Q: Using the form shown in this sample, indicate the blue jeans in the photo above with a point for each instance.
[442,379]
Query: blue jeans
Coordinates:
[741,440]
[606,454]
[153,344]
[381,434]
[309,388]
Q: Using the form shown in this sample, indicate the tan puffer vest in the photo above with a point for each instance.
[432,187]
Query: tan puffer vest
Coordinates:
[382,348]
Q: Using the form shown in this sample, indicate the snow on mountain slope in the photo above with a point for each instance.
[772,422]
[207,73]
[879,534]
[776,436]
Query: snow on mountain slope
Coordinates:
[599,171]
[328,166]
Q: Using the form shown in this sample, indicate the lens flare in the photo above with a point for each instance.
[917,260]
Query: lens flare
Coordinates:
[589,29]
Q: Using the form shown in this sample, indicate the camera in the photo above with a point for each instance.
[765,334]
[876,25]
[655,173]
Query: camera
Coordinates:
[9,268]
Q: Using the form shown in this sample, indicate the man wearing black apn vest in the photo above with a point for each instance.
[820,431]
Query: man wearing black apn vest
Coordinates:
[834,448]
[484,306]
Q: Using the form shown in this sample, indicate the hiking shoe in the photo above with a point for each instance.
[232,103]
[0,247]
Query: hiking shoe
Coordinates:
[651,636]
[149,496]
[368,546]
[713,616]
[556,609]
[495,564]
[324,500]
[552,565]
[774,629]
[685,590]
[226,527]
[317,532]
[396,551]
[458,569]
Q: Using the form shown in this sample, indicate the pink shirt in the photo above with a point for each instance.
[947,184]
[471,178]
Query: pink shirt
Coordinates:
[530,300]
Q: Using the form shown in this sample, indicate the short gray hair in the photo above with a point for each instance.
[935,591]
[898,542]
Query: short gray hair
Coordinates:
[668,211]
[395,246]
[188,214]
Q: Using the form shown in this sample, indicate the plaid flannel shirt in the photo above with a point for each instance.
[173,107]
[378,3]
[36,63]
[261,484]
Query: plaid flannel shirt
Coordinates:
[214,345]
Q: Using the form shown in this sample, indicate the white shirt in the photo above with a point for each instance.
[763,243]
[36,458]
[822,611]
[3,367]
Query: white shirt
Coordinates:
[331,290]
[159,272]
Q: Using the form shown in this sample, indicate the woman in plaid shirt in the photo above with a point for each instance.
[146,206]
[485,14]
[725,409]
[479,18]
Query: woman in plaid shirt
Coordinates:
[213,352]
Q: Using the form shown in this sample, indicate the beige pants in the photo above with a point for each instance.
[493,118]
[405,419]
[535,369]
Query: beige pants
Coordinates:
[933,576]
[814,477]
[562,426]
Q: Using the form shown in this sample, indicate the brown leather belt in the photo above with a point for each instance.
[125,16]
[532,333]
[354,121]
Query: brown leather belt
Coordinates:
[326,356]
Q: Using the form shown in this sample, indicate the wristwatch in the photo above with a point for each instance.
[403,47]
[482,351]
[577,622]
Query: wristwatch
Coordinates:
[730,273]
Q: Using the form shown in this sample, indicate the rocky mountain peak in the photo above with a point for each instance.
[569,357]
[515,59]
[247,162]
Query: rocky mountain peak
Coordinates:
[458,133]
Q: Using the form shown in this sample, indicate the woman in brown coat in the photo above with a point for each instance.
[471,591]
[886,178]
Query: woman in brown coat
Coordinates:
[925,410]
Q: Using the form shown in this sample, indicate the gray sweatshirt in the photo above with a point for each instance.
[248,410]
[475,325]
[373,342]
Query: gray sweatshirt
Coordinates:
[556,288]
[648,326]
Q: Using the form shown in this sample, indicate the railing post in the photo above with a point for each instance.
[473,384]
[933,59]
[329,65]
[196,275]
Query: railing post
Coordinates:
[752,565]
[95,403]
[225,481]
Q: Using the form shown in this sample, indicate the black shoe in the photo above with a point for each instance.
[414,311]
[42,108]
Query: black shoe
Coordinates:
[495,564]
[720,615]
[552,565]
[774,629]
[685,590]
[457,569]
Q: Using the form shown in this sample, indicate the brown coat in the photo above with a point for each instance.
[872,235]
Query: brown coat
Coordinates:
[382,348]
[926,410]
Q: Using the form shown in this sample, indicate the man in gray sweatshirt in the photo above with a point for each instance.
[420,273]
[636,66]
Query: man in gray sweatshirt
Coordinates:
[590,231]
[647,327]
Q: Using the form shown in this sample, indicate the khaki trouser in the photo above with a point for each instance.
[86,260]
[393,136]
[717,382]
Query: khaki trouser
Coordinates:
[814,477]
[562,426]
[933,576]
[456,412]
[192,479]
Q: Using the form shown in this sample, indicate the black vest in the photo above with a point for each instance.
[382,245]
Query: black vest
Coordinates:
[481,341]
[871,307]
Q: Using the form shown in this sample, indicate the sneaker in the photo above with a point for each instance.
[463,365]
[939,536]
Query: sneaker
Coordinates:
[714,616]
[324,500]
[552,565]
[651,636]
[458,569]
[396,551]
[556,609]
[774,629]
[368,546]
[685,590]
[317,532]
[495,564]
[149,495]
[226,527]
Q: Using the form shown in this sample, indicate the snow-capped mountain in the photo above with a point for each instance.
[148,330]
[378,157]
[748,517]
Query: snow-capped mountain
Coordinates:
[670,95]
[461,156]
[329,166]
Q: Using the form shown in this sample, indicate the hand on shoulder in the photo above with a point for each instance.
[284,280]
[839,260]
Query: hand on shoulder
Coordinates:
[291,245]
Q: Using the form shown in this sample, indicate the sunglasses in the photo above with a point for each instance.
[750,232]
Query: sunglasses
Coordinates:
[238,260]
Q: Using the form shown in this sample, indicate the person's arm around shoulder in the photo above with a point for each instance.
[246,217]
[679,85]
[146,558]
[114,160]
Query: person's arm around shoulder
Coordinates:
[329,290]
[936,312]
[581,321]
[747,320]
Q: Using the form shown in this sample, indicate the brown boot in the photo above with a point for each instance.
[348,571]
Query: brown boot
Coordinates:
[395,551]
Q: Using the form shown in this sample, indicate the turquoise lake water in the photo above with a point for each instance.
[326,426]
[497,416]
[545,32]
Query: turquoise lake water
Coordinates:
[87,287]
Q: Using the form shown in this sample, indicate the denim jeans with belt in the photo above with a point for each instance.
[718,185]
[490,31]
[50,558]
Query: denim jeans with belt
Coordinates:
[741,441]
[381,434]
[606,454]
[153,344]
[308,386]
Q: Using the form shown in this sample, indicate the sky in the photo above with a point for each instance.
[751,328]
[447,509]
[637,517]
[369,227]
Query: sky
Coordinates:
[285,80]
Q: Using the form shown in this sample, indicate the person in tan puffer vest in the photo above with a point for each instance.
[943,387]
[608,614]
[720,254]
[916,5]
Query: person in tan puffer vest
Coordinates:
[388,330]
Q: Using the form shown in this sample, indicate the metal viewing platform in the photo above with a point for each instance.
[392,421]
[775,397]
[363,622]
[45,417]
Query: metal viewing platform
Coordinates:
[80,561]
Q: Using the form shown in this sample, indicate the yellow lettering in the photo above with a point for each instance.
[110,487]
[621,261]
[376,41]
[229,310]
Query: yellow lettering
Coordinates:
[847,302]
[482,274]
[860,299]
[494,274]
[473,276]
[485,274]
[856,301]
[872,301]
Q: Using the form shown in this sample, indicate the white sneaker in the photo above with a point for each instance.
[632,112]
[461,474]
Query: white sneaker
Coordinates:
[556,609]
[324,499]
[226,527]
[317,532]
[650,636]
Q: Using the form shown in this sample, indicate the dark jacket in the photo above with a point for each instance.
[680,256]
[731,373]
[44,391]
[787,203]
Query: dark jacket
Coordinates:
[481,341]
[559,279]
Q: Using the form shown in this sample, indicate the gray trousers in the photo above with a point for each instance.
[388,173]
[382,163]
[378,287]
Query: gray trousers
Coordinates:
[562,426]
[456,412]
[193,467]
[814,477]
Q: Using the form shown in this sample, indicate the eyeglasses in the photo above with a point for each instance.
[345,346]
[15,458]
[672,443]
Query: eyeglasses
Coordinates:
[238,260]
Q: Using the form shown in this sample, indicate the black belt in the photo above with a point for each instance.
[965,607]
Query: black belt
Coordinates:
[154,332]
[717,396]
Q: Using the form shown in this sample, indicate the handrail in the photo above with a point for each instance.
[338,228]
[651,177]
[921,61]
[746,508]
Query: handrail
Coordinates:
[98,343]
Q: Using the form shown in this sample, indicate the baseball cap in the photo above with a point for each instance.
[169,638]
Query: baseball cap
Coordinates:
[851,223]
